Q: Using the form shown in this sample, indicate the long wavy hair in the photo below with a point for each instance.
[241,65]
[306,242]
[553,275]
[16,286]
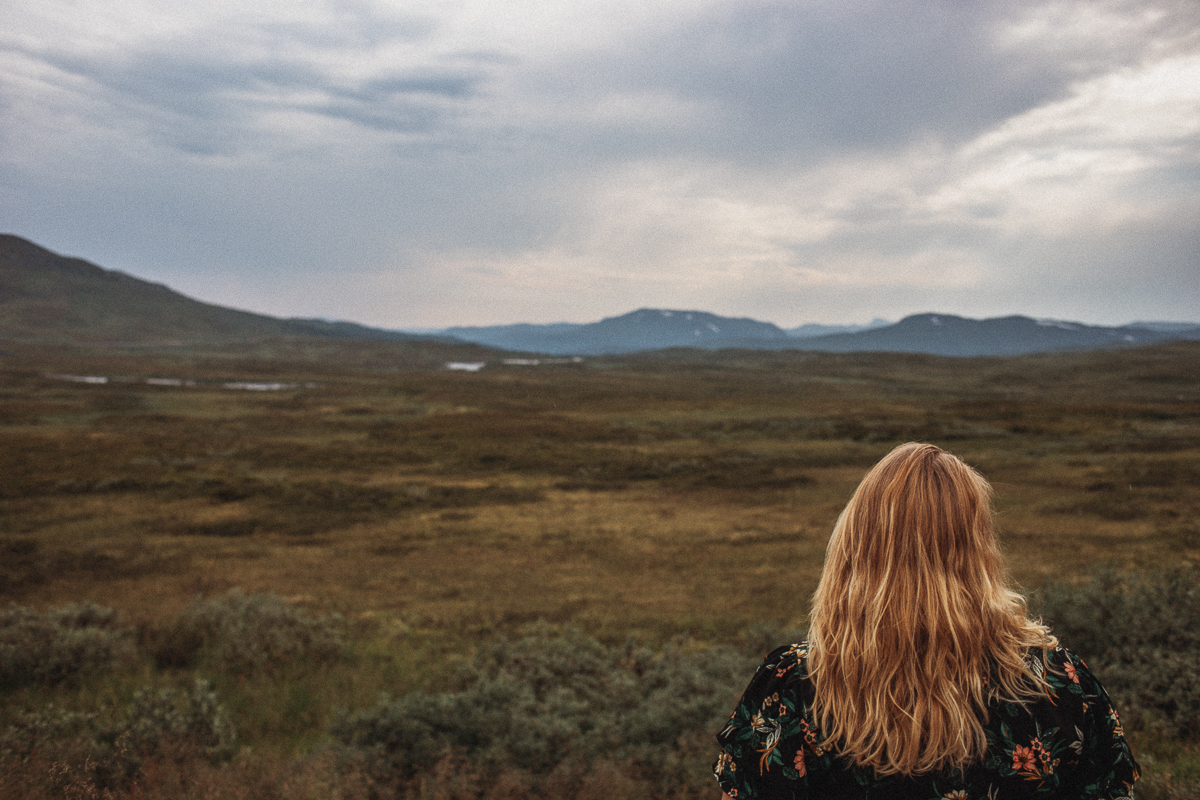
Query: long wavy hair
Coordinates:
[914,628]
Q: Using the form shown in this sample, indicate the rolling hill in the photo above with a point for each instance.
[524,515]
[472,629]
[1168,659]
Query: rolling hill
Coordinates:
[48,298]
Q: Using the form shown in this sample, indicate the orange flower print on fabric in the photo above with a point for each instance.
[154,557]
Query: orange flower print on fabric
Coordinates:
[810,737]
[798,652]
[1024,759]
[1048,762]
[1069,668]
[1035,762]
[957,794]
[1116,722]
[799,763]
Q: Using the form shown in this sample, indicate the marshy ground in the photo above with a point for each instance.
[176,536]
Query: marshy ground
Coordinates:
[677,496]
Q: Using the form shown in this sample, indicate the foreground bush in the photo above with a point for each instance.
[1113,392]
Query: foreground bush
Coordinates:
[1141,636]
[86,753]
[60,644]
[248,633]
[552,715]
[553,708]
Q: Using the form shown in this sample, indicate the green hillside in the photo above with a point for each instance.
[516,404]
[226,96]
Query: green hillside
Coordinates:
[48,298]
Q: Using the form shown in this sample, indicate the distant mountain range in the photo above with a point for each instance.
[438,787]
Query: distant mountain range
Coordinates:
[45,297]
[938,334]
[645,329]
[948,335]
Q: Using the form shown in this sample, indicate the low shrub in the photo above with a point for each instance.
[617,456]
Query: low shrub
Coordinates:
[248,633]
[98,752]
[1141,636]
[1160,786]
[20,563]
[552,705]
[59,645]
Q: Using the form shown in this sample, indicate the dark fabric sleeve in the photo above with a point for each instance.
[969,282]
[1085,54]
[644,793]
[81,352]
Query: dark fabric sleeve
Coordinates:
[763,746]
[1107,766]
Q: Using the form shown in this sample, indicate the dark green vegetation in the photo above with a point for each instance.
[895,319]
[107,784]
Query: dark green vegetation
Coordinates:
[670,508]
[45,297]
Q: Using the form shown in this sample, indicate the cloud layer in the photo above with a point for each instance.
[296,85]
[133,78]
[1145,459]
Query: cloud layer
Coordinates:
[480,162]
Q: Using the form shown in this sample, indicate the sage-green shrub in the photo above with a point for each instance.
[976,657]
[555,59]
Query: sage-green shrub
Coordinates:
[1141,636]
[59,645]
[551,702]
[247,633]
[105,750]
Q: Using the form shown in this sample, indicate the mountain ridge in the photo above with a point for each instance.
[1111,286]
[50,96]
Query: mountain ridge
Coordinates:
[930,333]
[49,298]
[951,335]
[46,297]
[626,333]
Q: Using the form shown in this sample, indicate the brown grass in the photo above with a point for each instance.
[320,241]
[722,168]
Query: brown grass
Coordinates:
[658,496]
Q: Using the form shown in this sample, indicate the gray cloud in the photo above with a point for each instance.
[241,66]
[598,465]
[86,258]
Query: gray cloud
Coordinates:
[794,161]
[806,79]
[202,92]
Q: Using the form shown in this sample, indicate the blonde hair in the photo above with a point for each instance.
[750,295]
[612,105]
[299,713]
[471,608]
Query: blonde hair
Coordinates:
[913,627]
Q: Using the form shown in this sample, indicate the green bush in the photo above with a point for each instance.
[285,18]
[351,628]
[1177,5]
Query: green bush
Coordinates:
[1141,636]
[60,644]
[103,751]
[248,633]
[551,703]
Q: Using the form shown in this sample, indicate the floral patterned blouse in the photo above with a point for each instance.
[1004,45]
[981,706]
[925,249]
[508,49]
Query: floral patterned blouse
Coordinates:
[1067,746]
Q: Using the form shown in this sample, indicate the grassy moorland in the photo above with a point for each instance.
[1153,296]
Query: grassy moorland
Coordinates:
[666,504]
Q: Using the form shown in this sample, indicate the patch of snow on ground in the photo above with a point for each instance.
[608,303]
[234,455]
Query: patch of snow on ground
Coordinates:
[534,362]
[256,386]
[79,378]
[252,386]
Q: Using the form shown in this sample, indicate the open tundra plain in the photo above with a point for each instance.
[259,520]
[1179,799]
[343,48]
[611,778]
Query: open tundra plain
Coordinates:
[676,500]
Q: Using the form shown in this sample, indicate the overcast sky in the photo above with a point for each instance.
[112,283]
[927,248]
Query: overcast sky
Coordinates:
[418,164]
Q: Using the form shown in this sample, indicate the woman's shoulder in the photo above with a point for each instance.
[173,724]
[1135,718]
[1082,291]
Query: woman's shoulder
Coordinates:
[783,672]
[1065,699]
[764,740]
[789,653]
[1067,738]
[1059,668]
[789,661]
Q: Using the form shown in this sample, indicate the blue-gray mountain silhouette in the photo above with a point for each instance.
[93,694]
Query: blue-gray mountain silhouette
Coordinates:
[644,329]
[45,297]
[937,334]
[949,335]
